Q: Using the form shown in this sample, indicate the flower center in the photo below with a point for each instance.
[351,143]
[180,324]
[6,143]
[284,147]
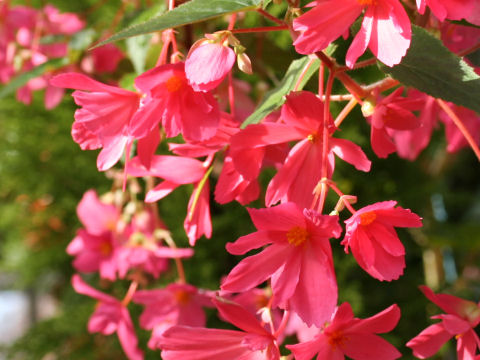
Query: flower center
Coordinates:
[182,297]
[367,2]
[297,235]
[105,248]
[174,83]
[367,218]
[336,338]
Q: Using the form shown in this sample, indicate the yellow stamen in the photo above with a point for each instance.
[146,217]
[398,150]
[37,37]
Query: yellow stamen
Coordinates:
[336,338]
[182,297]
[367,218]
[367,2]
[297,235]
[174,84]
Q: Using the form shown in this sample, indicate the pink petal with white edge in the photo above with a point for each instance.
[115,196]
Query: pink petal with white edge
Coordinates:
[208,64]
[160,191]
[467,345]
[391,33]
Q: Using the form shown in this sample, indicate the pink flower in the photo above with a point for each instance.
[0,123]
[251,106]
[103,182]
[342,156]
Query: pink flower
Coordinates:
[461,318]
[232,185]
[177,304]
[207,64]
[448,9]
[385,28]
[371,236]
[409,143]
[302,117]
[352,337]
[391,113]
[110,316]
[172,101]
[191,343]
[177,170]
[103,59]
[106,113]
[298,261]
[455,138]
[96,248]
[57,23]
[143,249]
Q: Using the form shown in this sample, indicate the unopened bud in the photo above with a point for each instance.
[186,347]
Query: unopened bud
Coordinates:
[244,63]
[368,107]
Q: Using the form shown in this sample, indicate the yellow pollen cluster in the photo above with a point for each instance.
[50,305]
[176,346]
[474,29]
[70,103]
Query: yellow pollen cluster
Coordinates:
[336,338]
[174,84]
[311,137]
[182,297]
[297,235]
[367,2]
[367,218]
[105,248]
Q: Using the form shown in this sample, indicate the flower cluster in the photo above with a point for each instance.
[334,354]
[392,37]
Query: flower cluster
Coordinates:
[289,286]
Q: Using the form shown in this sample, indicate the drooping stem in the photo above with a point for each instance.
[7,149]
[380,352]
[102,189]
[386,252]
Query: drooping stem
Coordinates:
[345,111]
[260,29]
[270,17]
[283,324]
[325,140]
[302,74]
[231,94]
[129,295]
[459,124]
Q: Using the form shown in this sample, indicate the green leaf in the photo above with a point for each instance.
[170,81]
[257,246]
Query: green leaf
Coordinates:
[20,80]
[188,13]
[276,97]
[430,67]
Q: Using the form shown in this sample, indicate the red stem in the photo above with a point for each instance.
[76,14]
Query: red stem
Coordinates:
[271,17]
[260,29]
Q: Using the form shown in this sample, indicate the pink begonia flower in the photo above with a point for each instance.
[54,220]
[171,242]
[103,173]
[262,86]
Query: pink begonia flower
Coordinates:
[244,105]
[393,112]
[409,143]
[455,139]
[110,316]
[103,59]
[106,113]
[61,23]
[96,248]
[232,185]
[173,102]
[298,261]
[385,30]
[191,343]
[448,9]
[143,250]
[207,64]
[461,318]
[177,304]
[371,236]
[348,336]
[176,171]
[295,181]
